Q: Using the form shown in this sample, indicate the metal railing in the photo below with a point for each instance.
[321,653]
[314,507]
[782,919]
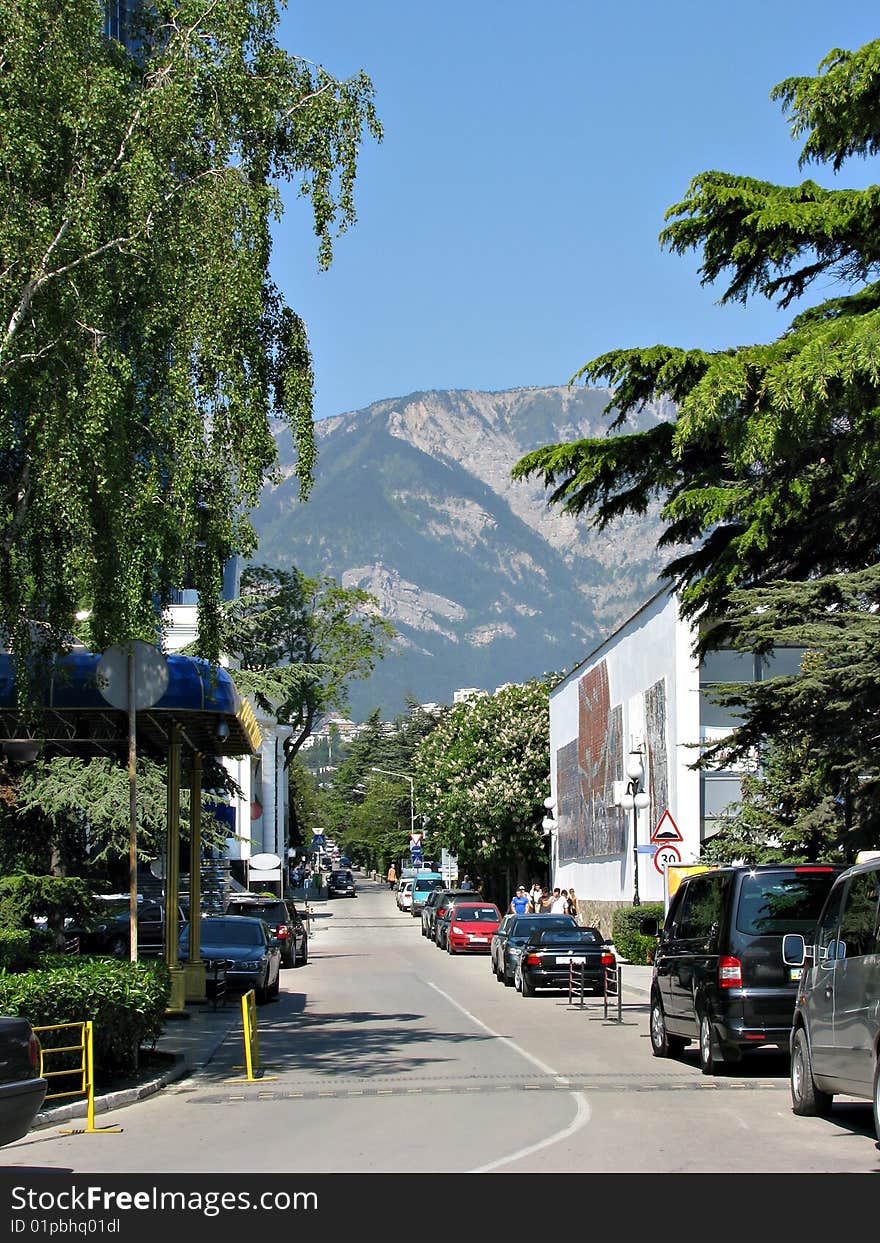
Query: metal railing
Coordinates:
[614,988]
[84,1070]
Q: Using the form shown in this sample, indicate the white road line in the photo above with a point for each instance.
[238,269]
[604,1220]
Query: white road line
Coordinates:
[582,1115]
[581,1118]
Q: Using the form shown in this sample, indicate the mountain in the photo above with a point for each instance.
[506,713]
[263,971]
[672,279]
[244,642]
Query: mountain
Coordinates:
[484,581]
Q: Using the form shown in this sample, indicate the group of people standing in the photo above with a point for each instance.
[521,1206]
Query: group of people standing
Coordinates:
[539,901]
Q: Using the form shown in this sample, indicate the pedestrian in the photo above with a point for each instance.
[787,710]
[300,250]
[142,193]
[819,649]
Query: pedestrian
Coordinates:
[535,898]
[392,876]
[558,904]
[572,903]
[519,903]
[467,883]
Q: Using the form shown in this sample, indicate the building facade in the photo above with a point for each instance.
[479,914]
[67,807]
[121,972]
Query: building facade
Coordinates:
[641,691]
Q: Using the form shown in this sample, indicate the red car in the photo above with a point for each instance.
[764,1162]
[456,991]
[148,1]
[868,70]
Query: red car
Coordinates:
[471,927]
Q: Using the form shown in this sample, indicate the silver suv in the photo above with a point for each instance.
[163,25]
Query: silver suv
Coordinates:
[835,1035]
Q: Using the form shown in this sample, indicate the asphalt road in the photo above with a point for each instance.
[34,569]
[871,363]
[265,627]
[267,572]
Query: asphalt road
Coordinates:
[386,1055]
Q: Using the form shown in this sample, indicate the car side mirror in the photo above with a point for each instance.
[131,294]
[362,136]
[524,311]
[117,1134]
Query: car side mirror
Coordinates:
[649,926]
[794,950]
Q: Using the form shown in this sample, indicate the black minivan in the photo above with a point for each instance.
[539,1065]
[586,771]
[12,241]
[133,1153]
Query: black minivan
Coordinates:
[719,977]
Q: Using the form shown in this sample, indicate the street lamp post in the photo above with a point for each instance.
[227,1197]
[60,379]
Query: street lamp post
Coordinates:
[633,800]
[412,798]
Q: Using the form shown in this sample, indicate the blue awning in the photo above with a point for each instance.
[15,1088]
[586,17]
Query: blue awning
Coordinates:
[70,713]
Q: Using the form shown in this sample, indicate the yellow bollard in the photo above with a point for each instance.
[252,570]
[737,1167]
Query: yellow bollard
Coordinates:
[255,1071]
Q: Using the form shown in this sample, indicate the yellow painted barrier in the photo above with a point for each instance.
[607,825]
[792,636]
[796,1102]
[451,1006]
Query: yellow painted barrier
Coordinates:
[85,1070]
[251,1042]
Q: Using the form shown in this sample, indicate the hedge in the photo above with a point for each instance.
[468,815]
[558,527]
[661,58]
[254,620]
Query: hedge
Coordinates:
[125,1001]
[628,941]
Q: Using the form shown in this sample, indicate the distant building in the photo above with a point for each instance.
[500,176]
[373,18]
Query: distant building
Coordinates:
[466,693]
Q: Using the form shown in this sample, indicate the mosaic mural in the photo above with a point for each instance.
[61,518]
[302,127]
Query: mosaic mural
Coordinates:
[590,824]
[658,764]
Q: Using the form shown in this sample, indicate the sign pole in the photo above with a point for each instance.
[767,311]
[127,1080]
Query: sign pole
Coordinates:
[132,808]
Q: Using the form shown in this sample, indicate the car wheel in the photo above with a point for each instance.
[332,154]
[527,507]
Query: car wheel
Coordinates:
[877,1100]
[304,957]
[449,947]
[289,960]
[119,947]
[506,977]
[711,1054]
[662,1044]
[517,981]
[275,988]
[525,986]
[261,992]
[806,1099]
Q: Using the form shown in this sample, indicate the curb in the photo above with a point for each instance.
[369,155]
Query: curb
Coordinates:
[114,1100]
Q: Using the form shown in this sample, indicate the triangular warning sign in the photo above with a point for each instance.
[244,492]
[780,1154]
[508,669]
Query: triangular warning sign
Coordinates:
[667,830]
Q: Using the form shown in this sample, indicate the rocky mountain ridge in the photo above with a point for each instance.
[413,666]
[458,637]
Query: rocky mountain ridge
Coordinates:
[485,582]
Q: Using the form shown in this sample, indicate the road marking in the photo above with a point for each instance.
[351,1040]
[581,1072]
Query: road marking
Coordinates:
[582,1108]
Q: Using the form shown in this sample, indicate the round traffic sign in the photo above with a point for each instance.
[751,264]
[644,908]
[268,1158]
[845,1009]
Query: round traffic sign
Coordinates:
[664,855]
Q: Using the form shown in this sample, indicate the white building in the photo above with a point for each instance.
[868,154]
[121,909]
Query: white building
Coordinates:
[260,819]
[641,690]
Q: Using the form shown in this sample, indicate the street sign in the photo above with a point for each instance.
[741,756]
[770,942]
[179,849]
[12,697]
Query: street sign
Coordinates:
[667,830]
[664,856]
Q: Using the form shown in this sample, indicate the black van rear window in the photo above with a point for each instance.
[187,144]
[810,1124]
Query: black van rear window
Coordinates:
[779,902]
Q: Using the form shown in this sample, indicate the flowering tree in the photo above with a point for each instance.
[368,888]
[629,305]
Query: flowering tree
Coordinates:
[482,776]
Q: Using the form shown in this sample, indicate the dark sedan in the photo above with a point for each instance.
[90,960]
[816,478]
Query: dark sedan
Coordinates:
[252,957]
[22,1090]
[283,920]
[340,884]
[108,931]
[512,934]
[547,957]
[428,913]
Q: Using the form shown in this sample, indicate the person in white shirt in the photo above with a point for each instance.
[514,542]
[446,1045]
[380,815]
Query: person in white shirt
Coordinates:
[559,903]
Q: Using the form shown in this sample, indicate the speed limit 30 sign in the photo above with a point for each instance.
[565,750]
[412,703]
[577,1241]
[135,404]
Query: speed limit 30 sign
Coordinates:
[664,856]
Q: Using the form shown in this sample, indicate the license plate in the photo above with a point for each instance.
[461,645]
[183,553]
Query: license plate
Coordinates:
[568,958]
[483,939]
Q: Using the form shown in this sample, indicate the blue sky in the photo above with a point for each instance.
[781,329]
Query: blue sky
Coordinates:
[507,224]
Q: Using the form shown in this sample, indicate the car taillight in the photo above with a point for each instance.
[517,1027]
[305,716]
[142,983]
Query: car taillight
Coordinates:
[533,960]
[730,973]
[607,960]
[814,868]
[281,932]
[34,1051]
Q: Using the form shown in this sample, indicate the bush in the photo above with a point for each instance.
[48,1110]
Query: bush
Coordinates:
[16,951]
[628,941]
[125,1001]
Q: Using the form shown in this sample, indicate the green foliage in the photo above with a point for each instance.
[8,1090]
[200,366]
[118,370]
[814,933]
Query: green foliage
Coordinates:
[482,776]
[16,949]
[299,641]
[126,1002]
[628,941]
[144,349]
[24,898]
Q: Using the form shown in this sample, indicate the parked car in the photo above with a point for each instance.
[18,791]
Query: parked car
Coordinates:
[108,932]
[447,904]
[22,1088]
[283,919]
[252,956]
[429,911]
[471,926]
[835,1034]
[404,896]
[422,886]
[719,977]
[510,938]
[548,954]
[340,884]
